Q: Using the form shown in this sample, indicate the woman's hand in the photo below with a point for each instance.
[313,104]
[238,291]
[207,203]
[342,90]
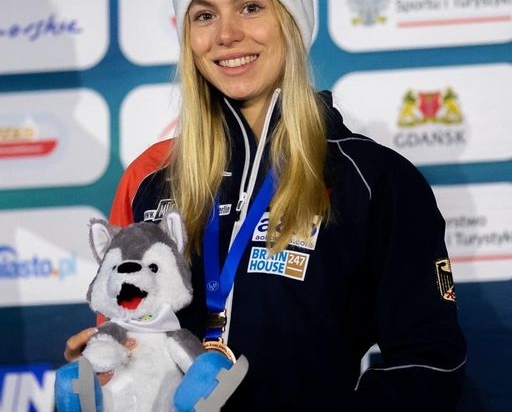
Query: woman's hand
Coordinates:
[76,344]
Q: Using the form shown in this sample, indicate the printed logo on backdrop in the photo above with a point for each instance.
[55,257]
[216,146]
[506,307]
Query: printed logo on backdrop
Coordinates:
[53,138]
[45,257]
[13,266]
[369,25]
[478,230]
[148,115]
[24,140]
[429,119]
[368,12]
[433,116]
[27,388]
[435,107]
[73,35]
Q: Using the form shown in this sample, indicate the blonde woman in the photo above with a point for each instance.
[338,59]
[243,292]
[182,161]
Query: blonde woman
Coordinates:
[308,243]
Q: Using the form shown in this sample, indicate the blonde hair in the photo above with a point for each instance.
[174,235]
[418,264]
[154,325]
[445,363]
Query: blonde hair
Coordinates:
[298,147]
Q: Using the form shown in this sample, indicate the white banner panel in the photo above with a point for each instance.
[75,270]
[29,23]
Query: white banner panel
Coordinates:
[53,138]
[45,257]
[148,114]
[52,35]
[147,31]
[478,230]
[372,25]
[434,115]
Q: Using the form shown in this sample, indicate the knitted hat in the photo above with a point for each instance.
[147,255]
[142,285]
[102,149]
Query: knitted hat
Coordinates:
[301,10]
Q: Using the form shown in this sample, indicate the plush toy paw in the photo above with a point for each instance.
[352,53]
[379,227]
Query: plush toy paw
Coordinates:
[105,353]
[77,389]
[209,382]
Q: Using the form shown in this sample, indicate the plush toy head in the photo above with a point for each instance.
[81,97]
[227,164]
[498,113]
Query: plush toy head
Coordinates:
[141,268]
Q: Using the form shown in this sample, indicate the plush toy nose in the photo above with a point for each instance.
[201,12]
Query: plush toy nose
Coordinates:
[129,267]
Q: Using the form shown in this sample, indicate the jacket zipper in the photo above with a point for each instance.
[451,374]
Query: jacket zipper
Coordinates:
[247,188]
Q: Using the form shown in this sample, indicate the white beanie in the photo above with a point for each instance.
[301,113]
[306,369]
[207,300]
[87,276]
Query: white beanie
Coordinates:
[302,11]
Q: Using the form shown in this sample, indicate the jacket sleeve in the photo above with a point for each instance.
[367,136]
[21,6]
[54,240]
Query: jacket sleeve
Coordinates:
[152,159]
[422,348]
[121,213]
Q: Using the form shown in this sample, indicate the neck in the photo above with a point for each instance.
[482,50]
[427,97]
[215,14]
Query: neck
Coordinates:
[255,113]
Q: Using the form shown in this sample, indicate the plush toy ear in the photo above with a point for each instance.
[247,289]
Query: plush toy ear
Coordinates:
[172,224]
[100,236]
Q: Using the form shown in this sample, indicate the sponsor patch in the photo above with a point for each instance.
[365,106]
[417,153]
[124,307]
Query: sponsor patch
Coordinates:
[157,214]
[260,233]
[445,282]
[286,263]
[224,210]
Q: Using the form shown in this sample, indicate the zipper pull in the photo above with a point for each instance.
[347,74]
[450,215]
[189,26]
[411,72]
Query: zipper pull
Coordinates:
[241,202]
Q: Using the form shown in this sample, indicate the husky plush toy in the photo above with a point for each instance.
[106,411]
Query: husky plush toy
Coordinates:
[142,281]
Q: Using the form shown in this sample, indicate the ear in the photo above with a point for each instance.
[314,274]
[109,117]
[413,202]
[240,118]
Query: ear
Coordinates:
[173,225]
[100,237]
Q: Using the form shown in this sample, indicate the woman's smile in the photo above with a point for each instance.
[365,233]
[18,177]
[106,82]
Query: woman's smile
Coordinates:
[237,62]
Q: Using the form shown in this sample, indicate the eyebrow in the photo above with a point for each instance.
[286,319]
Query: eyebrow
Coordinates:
[200,3]
[207,2]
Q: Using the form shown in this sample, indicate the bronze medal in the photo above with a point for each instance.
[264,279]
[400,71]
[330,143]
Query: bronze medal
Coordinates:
[219,346]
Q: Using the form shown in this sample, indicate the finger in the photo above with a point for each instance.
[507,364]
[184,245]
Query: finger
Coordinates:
[76,343]
[130,343]
[105,377]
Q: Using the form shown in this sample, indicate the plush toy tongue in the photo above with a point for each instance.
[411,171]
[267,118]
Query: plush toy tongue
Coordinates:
[130,296]
[131,304]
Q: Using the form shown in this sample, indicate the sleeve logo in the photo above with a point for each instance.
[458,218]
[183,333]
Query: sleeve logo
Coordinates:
[445,282]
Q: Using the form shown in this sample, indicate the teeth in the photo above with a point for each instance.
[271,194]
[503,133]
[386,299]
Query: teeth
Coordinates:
[237,62]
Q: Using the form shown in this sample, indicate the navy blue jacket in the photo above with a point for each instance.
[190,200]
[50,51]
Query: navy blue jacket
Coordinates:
[378,274]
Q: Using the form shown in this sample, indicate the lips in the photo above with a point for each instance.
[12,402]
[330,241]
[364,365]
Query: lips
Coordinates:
[130,296]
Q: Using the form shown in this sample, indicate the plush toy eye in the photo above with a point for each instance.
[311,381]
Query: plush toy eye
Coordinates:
[153,267]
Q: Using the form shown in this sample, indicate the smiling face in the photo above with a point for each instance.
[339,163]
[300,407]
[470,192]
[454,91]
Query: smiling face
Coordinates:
[238,47]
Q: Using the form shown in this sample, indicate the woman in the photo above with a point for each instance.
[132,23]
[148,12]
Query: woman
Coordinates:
[308,243]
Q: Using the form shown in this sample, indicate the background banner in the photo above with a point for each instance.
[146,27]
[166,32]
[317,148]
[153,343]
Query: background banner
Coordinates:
[85,86]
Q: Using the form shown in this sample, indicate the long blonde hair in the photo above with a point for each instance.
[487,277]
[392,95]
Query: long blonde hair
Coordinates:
[298,147]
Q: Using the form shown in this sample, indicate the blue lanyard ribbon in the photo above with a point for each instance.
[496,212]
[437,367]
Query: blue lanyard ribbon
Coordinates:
[218,283]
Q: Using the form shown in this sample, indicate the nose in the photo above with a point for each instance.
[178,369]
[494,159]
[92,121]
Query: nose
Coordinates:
[129,267]
[229,31]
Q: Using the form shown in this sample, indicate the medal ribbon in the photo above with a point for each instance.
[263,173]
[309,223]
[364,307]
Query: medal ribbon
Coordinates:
[219,283]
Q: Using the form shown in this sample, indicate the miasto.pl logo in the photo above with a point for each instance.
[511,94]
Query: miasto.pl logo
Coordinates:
[14,267]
